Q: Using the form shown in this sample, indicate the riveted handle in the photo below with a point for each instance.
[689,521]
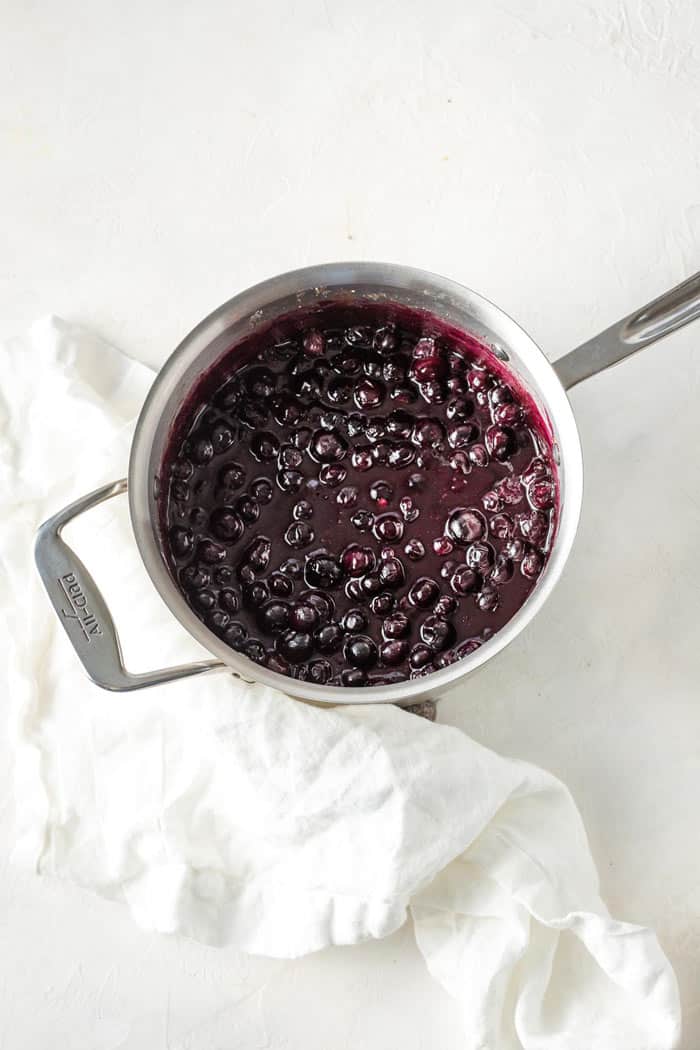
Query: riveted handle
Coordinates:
[83,611]
[668,313]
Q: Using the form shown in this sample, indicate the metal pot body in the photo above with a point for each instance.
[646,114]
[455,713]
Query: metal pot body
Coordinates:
[75,595]
[298,291]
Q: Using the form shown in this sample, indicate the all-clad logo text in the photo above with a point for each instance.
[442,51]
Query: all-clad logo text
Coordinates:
[79,609]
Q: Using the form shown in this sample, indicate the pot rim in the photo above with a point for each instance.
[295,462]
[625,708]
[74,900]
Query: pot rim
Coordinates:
[432,293]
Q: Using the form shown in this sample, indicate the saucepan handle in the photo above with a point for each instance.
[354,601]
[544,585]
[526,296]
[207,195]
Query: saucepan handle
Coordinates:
[83,611]
[659,318]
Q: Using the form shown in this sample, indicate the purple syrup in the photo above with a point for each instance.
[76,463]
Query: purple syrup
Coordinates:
[358,496]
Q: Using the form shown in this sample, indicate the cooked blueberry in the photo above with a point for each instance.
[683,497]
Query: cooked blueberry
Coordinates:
[401,455]
[228,600]
[465,580]
[193,577]
[369,393]
[181,469]
[360,651]
[232,476]
[296,646]
[437,633]
[255,594]
[445,606]
[235,635]
[327,447]
[285,409]
[181,541]
[500,441]
[462,434]
[381,451]
[313,344]
[478,456]
[466,524]
[515,549]
[299,535]
[280,585]
[392,573]
[382,603]
[320,671]
[332,475]
[370,585]
[541,495]
[292,567]
[487,598]
[289,457]
[363,520]
[510,490]
[260,382]
[423,592]
[210,552]
[428,432]
[397,625]
[502,569]
[247,509]
[479,379]
[278,664]
[274,616]
[257,555]
[180,491]
[399,424]
[388,527]
[508,415]
[290,480]
[459,409]
[480,557]
[339,391]
[347,496]
[322,603]
[533,527]
[226,524]
[353,589]
[300,437]
[414,550]
[203,599]
[201,450]
[357,560]
[304,617]
[394,652]
[420,656]
[385,339]
[408,508]
[362,458]
[442,546]
[531,565]
[329,638]
[217,620]
[322,570]
[222,437]
[501,526]
[447,568]
[353,677]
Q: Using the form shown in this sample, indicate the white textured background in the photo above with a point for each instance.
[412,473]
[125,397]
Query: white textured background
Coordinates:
[157,157]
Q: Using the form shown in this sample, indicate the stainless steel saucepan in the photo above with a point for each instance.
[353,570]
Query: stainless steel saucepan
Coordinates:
[75,595]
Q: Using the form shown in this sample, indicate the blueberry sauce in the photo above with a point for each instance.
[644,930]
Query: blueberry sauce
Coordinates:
[357,496]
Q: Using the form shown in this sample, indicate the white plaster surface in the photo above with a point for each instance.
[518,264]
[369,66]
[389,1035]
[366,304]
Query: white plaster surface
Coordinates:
[155,158]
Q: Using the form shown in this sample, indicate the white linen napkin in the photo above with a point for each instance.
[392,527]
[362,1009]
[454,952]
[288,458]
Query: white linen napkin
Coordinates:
[233,814]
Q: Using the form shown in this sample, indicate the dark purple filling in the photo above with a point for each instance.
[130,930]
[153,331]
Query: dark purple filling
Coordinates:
[358,496]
